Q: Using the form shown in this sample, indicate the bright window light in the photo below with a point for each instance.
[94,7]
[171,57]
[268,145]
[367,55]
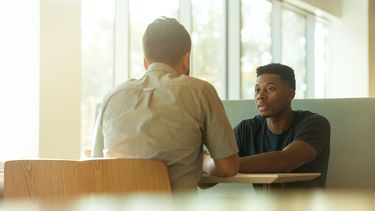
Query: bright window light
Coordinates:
[19,80]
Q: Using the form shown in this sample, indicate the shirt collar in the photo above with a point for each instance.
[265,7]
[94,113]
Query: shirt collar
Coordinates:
[160,67]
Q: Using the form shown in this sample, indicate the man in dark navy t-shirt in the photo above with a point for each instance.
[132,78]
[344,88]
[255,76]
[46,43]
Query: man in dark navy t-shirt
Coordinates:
[280,139]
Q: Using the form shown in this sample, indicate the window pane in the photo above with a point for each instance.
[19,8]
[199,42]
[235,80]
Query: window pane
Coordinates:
[321,57]
[19,79]
[97,59]
[294,47]
[142,13]
[255,41]
[208,38]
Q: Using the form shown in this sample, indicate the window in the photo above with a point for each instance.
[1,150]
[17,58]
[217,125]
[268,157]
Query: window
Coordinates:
[141,13]
[230,39]
[19,81]
[255,42]
[294,47]
[208,40]
[97,59]
[321,64]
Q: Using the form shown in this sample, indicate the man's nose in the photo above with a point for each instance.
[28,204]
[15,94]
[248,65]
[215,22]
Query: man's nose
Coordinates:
[261,94]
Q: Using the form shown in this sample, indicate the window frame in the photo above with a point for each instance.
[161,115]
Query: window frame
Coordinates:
[231,43]
[231,76]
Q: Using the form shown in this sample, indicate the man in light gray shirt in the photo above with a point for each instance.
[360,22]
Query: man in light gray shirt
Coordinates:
[167,115]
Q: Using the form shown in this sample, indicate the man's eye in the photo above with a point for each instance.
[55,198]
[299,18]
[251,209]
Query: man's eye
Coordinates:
[271,89]
[257,90]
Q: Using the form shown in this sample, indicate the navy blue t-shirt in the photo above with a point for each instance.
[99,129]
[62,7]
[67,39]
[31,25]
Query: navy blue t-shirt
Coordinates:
[254,137]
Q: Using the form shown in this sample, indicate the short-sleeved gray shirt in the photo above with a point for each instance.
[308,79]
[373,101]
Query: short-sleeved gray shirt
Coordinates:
[165,116]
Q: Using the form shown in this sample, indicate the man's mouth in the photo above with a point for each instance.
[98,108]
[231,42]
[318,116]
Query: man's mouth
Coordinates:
[262,106]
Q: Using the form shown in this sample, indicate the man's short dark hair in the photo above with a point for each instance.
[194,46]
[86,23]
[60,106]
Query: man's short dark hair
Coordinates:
[165,40]
[285,72]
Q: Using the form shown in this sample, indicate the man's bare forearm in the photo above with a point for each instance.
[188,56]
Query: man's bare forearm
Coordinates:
[268,162]
[223,167]
[294,155]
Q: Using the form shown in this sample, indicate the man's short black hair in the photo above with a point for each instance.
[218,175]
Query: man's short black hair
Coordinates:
[285,72]
[165,40]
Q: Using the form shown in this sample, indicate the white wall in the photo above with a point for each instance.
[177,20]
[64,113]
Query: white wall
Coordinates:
[349,72]
[19,81]
[60,79]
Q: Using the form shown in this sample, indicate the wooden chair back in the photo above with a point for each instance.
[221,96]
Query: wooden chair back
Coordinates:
[62,179]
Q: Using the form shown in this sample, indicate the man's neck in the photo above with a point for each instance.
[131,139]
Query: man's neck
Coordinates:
[280,123]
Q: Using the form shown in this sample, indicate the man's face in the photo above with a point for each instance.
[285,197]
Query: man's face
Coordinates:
[272,95]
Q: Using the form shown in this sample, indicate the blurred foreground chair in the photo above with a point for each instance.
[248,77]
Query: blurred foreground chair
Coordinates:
[49,180]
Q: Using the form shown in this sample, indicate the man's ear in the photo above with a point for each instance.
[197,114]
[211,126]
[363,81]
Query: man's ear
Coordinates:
[186,61]
[291,95]
[145,63]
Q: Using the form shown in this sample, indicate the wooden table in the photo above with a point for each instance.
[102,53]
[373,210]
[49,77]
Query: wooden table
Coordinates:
[266,179]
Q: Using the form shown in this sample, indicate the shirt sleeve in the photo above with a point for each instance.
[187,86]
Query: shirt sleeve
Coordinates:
[316,131]
[245,136]
[98,144]
[239,131]
[218,135]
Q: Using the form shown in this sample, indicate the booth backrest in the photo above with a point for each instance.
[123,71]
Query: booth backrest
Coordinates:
[352,157]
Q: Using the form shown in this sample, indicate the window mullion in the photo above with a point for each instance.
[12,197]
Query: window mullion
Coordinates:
[121,42]
[233,52]
[185,14]
[276,31]
[310,56]
[224,55]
